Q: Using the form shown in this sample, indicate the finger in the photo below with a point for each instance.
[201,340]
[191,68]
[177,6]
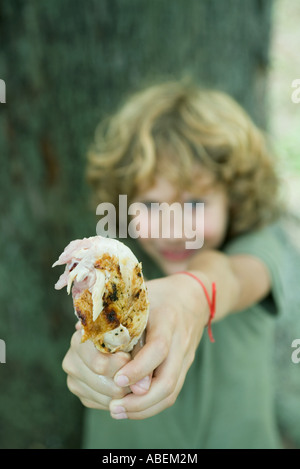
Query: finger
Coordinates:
[140,344]
[158,407]
[92,405]
[164,384]
[142,386]
[159,391]
[98,362]
[143,413]
[153,353]
[149,358]
[77,369]
[81,390]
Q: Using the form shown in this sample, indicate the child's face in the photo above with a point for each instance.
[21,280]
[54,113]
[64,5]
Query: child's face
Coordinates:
[171,254]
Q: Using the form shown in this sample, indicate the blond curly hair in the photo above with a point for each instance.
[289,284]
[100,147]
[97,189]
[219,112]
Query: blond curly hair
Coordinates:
[183,124]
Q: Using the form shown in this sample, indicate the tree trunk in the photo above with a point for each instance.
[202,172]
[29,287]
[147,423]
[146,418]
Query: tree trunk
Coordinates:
[67,64]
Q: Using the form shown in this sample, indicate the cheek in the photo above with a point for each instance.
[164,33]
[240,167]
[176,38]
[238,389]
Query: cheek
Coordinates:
[215,223]
[209,230]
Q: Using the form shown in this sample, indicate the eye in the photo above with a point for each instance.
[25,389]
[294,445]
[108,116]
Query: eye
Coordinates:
[150,204]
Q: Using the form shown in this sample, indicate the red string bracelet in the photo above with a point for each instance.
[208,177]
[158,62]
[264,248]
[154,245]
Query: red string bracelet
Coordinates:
[211,302]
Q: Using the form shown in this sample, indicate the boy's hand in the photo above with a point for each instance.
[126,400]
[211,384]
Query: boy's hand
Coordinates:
[120,382]
[178,315]
[90,373]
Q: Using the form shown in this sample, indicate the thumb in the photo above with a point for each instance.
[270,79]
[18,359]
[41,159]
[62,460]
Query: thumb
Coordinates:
[139,371]
[142,386]
[147,359]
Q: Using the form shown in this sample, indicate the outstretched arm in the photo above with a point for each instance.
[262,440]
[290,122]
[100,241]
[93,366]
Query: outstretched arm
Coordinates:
[179,313]
[241,280]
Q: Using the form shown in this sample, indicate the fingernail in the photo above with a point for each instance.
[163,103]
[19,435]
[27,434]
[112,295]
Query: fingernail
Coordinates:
[144,383]
[118,409]
[119,416]
[122,381]
[118,412]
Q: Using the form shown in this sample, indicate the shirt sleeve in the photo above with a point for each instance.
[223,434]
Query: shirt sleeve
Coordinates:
[266,245]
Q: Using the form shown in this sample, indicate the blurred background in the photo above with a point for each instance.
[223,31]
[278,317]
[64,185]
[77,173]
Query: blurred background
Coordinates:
[67,64]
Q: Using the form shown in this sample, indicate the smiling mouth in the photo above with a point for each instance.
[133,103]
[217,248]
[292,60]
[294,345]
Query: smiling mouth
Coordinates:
[174,256]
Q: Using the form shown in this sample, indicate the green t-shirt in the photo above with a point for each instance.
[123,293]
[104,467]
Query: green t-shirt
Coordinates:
[227,400]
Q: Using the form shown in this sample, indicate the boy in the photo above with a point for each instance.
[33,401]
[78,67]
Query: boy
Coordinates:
[177,143]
